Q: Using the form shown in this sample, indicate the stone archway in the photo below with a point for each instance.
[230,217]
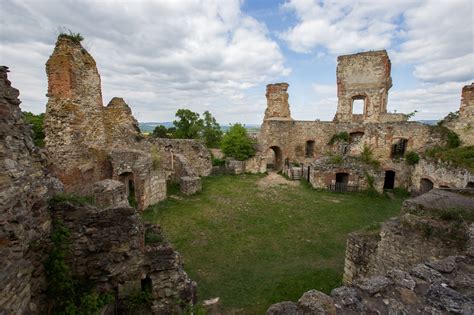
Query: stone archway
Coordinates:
[425,185]
[128,179]
[277,158]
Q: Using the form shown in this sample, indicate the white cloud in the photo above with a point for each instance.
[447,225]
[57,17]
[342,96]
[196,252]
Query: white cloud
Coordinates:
[159,56]
[434,37]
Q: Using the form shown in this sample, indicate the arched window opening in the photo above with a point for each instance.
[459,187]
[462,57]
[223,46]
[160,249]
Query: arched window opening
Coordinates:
[355,137]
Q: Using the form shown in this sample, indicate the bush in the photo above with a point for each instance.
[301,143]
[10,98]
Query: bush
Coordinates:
[237,144]
[367,156]
[339,137]
[412,158]
[217,162]
[336,159]
[163,132]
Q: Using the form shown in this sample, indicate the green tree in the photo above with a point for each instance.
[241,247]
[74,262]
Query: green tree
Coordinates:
[189,125]
[163,132]
[237,144]
[211,132]
[36,122]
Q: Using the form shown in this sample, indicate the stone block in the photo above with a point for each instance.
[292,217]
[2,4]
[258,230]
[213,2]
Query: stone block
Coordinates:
[190,185]
[110,193]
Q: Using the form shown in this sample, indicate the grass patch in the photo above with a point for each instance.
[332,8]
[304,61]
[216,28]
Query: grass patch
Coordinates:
[253,248]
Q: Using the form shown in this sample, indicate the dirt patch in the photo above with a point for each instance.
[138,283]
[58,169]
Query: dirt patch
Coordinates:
[273,180]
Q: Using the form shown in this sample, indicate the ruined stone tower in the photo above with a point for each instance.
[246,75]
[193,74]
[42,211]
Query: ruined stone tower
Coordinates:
[363,76]
[277,102]
[74,128]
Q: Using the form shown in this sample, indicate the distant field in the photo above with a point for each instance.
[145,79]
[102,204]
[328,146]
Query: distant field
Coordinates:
[253,245]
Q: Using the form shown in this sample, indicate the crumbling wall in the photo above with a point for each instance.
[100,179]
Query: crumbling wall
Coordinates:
[277,102]
[420,262]
[463,125]
[425,229]
[138,170]
[108,249]
[433,287]
[195,156]
[25,221]
[75,135]
[364,76]
[120,125]
[441,174]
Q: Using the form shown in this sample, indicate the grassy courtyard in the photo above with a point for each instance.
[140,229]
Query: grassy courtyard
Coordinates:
[253,243]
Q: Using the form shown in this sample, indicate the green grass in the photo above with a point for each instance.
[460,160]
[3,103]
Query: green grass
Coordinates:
[253,248]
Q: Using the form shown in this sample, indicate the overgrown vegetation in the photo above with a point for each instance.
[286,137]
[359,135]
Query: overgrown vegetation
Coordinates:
[412,158]
[371,191]
[151,237]
[460,157]
[217,162]
[367,157]
[66,294]
[73,198]
[75,37]
[339,137]
[335,159]
[36,122]
[237,144]
[239,241]
[451,138]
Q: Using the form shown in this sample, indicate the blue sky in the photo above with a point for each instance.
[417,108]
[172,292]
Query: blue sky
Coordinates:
[218,55]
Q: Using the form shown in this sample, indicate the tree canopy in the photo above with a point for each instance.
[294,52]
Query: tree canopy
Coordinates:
[36,121]
[237,144]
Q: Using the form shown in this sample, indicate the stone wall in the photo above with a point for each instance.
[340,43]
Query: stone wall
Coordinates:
[75,134]
[277,102]
[364,76]
[419,233]
[190,157]
[441,174]
[463,125]
[433,287]
[141,175]
[108,249]
[25,221]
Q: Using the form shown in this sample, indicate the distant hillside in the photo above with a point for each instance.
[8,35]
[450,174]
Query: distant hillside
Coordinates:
[150,126]
[429,122]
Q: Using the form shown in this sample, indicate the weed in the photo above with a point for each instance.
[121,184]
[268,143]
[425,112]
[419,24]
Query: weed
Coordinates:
[412,158]
[75,37]
[72,198]
[339,137]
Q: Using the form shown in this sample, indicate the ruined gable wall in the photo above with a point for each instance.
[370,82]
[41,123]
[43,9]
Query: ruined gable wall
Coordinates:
[25,221]
[364,76]
[74,129]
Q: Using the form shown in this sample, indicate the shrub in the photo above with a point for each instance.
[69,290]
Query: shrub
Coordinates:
[339,137]
[237,144]
[151,237]
[156,159]
[367,156]
[217,162]
[412,158]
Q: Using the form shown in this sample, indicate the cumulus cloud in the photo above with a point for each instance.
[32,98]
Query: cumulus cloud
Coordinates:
[435,38]
[159,56]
